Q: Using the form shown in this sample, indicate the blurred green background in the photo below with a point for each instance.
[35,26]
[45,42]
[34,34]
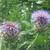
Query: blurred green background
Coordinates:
[21,10]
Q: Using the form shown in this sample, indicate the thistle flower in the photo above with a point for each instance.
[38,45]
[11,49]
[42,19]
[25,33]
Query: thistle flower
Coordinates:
[10,30]
[40,18]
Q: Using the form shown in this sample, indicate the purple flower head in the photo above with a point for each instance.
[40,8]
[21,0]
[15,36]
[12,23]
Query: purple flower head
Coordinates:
[10,30]
[41,18]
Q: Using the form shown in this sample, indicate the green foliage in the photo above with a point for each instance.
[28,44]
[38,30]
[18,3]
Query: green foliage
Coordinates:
[21,10]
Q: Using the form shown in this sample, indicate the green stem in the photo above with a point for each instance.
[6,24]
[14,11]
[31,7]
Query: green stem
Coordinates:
[1,43]
[11,46]
[32,42]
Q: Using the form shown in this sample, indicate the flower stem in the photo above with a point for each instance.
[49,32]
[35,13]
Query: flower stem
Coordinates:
[32,42]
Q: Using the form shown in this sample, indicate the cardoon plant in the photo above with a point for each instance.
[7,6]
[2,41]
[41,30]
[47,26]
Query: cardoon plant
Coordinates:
[41,19]
[10,32]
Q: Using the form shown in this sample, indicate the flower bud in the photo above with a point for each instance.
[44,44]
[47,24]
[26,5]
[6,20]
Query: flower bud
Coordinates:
[10,30]
[40,18]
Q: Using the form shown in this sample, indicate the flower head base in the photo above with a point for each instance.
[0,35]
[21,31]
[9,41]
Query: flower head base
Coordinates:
[40,18]
[10,30]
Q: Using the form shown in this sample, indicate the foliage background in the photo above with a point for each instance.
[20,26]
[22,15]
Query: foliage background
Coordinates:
[21,10]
